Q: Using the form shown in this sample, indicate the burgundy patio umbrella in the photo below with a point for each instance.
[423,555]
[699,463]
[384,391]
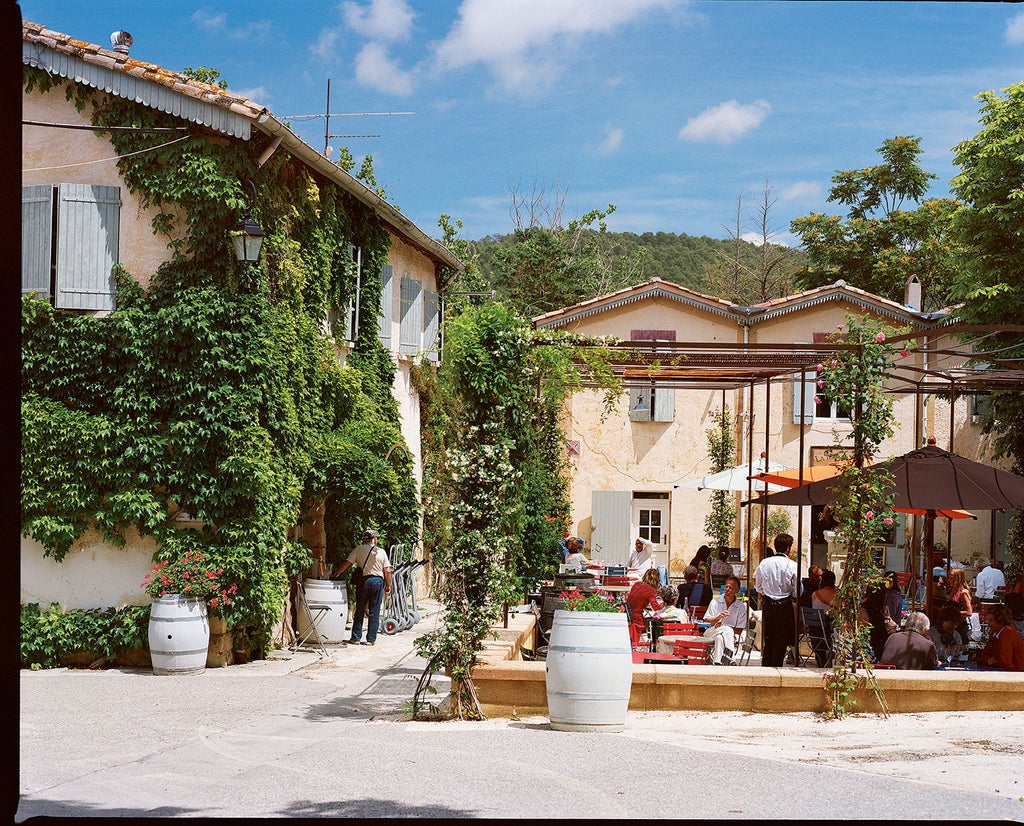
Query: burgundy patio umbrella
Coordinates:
[929,478]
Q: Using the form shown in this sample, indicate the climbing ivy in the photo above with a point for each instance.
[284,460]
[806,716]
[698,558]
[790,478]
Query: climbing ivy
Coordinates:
[496,485]
[214,390]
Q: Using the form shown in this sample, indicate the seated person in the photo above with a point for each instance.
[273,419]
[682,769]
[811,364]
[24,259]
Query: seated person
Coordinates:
[668,595]
[1015,602]
[720,564]
[948,642]
[643,595]
[693,592]
[727,618]
[822,598]
[911,648]
[1005,648]
[811,583]
[988,579]
[575,555]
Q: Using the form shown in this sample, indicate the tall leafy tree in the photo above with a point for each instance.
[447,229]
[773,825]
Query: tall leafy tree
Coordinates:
[990,227]
[889,232]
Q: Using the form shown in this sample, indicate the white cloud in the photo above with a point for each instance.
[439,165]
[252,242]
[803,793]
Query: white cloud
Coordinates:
[209,21]
[754,238]
[612,140]
[515,39]
[376,69]
[726,122]
[384,20]
[257,94]
[1015,29]
[325,45]
[799,191]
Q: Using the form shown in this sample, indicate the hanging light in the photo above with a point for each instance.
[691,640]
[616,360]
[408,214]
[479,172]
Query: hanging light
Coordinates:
[247,239]
[247,236]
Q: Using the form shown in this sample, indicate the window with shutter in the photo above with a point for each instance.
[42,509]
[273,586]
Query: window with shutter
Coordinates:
[410,316]
[384,319]
[431,322]
[803,397]
[70,235]
[664,406]
[352,313]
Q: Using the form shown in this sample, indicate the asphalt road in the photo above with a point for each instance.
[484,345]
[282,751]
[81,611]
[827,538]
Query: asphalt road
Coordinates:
[302,737]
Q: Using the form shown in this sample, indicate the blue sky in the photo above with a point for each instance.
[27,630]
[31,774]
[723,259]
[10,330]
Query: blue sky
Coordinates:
[666,108]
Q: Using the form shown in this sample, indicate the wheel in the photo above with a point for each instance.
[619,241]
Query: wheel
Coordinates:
[390,626]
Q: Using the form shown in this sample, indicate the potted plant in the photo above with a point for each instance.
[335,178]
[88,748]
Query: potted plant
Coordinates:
[589,665]
[179,631]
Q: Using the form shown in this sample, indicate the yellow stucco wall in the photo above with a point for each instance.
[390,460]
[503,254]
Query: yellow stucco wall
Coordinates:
[618,454]
[56,156]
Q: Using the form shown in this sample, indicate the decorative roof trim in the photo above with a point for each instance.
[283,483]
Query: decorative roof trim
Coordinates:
[139,89]
[842,294]
[655,292]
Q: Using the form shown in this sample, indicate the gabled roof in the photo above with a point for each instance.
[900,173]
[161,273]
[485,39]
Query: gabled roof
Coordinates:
[177,94]
[747,316]
[655,288]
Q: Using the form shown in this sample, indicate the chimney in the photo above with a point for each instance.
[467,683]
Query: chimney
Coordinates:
[912,293]
[120,42]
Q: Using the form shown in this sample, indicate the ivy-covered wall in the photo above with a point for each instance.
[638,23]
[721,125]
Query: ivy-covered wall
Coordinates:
[214,390]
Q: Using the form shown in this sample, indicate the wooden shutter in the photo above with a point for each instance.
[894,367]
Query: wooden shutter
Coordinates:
[431,318]
[352,316]
[805,401]
[411,320]
[664,405]
[386,301]
[36,237]
[609,515]
[87,241]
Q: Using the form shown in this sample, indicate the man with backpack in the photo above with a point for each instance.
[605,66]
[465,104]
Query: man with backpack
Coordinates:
[373,582]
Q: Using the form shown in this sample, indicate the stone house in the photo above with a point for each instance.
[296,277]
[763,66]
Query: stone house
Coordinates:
[79,219]
[627,468]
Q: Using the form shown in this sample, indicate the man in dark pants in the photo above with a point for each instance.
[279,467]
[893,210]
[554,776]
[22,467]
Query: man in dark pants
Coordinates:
[376,583]
[775,580]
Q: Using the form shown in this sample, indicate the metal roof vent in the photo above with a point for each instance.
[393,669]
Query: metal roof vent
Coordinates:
[121,42]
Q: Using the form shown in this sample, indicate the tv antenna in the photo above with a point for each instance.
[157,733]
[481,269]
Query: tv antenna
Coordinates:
[327,120]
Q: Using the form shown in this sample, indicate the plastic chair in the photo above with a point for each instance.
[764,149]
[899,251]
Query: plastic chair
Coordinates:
[315,611]
[717,581]
[697,612]
[685,628]
[693,651]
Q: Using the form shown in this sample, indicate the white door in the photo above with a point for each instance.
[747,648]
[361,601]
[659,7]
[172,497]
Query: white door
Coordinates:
[650,521]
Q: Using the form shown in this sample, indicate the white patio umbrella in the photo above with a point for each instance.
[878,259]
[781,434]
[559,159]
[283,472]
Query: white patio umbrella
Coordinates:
[736,478]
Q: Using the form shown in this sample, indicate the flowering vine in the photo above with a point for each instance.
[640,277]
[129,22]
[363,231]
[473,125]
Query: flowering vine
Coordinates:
[855,377]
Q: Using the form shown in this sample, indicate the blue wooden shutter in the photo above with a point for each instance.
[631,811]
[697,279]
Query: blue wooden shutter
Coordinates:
[411,321]
[36,235]
[352,321]
[87,239]
[807,400]
[664,404]
[431,317]
[384,319]
[610,512]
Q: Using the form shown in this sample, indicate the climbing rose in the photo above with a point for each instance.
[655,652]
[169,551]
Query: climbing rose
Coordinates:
[869,514]
[880,338]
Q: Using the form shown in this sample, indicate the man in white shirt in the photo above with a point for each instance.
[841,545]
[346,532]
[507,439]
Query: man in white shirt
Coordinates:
[777,589]
[643,557]
[989,578]
[728,618]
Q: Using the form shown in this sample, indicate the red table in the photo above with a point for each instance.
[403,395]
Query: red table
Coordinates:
[642,657]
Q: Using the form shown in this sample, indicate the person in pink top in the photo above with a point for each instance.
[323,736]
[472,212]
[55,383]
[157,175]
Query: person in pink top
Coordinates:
[643,594]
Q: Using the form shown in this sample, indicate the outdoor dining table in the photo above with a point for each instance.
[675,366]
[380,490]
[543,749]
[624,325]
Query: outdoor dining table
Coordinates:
[667,642]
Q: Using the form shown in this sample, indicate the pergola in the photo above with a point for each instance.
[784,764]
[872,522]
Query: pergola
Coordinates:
[952,360]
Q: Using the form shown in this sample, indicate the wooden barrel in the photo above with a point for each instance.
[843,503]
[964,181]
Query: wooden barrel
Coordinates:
[551,602]
[331,624]
[179,635]
[588,671]
[569,581]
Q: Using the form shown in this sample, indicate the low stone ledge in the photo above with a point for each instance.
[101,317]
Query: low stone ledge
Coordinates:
[510,687]
[521,633]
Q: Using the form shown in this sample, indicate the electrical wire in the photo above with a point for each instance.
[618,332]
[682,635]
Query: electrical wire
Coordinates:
[104,160]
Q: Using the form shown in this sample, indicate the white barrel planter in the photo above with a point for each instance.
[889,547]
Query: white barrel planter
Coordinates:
[589,671]
[331,624]
[179,635]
